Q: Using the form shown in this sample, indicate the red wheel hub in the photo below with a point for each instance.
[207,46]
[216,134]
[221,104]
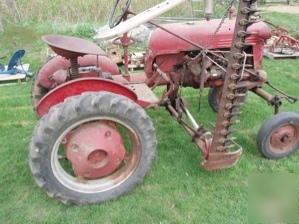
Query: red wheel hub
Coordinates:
[284,138]
[95,150]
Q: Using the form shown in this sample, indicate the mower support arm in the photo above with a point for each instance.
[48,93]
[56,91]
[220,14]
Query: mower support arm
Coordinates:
[273,100]
[198,138]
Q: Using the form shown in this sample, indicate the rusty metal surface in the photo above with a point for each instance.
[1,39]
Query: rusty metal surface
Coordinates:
[72,47]
[284,138]
[220,157]
[263,94]
[198,137]
[146,97]
[282,41]
[217,161]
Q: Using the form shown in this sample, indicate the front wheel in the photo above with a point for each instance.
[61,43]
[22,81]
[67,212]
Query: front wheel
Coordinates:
[214,98]
[279,136]
[92,148]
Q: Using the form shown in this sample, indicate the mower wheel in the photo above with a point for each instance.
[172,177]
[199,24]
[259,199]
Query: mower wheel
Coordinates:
[279,136]
[92,148]
[214,97]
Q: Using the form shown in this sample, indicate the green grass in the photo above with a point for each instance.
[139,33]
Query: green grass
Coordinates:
[177,190]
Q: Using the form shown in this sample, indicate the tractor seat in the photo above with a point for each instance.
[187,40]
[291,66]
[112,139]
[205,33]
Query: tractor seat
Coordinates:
[72,47]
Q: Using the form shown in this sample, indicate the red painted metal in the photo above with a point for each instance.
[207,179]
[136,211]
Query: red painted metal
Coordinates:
[95,150]
[79,86]
[57,63]
[165,44]
[200,32]
[125,41]
[283,39]
[166,52]
[60,76]
[132,78]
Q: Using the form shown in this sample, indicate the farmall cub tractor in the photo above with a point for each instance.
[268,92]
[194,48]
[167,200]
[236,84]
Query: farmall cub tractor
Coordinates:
[95,142]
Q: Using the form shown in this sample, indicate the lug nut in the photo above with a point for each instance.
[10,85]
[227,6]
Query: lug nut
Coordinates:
[75,148]
[107,134]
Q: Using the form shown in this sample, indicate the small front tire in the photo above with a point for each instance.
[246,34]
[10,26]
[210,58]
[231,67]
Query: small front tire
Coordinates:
[279,136]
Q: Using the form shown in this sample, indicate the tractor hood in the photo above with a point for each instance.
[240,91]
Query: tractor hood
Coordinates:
[201,32]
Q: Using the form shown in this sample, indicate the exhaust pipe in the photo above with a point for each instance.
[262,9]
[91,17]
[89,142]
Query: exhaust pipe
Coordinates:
[208,9]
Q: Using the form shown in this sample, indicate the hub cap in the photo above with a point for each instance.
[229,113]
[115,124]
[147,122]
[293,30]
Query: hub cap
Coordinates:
[95,150]
[284,139]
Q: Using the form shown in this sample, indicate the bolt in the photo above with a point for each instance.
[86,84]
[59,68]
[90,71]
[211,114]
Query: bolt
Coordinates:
[284,138]
[75,148]
[232,86]
[228,106]
[234,76]
[64,141]
[107,134]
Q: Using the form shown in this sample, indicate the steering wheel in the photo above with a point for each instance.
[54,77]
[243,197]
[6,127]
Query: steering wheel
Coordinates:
[115,22]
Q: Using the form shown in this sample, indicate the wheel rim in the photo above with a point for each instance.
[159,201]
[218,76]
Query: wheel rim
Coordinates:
[63,170]
[284,139]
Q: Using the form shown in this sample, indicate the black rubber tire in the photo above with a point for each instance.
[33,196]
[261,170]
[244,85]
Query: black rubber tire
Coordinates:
[214,96]
[65,117]
[37,91]
[270,128]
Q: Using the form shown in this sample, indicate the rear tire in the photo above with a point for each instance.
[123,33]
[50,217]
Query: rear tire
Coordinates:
[54,173]
[279,136]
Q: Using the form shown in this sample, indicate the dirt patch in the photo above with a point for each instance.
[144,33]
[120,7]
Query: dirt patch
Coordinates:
[283,8]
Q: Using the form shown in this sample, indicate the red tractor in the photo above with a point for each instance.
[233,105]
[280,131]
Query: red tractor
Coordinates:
[95,142]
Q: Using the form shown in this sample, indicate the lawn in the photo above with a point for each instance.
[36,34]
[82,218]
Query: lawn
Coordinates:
[177,190]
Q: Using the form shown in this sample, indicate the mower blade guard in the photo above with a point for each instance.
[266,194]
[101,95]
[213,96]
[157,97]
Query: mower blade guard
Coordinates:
[218,161]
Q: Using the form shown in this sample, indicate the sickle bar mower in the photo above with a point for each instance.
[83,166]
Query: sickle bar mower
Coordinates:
[95,142]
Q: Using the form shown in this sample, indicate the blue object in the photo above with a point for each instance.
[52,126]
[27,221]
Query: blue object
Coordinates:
[13,64]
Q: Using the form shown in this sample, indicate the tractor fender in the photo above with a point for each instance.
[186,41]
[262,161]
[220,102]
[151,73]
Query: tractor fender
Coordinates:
[57,63]
[79,86]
